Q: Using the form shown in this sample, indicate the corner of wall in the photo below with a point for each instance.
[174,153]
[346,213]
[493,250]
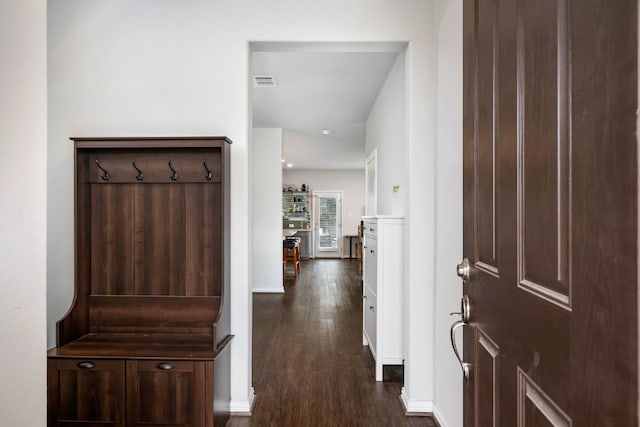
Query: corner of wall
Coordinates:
[385,131]
[266,219]
[448,399]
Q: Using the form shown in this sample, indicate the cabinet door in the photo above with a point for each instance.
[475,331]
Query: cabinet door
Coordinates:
[370,228]
[166,393]
[370,309]
[86,393]
[371,264]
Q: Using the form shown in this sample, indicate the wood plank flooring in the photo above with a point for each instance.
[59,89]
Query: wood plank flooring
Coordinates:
[309,365]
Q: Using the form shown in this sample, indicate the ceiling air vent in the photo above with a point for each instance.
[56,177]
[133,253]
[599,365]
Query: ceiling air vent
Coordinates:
[265,81]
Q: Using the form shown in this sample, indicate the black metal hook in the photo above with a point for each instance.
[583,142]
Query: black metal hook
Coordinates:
[105,175]
[140,175]
[174,174]
[208,175]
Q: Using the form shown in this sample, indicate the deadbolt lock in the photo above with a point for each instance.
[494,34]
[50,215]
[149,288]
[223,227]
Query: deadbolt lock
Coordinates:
[463,269]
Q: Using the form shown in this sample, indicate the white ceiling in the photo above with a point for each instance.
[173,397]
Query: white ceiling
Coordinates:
[320,90]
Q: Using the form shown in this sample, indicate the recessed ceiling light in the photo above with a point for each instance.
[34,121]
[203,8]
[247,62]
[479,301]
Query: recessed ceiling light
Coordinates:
[289,165]
[282,160]
[326,131]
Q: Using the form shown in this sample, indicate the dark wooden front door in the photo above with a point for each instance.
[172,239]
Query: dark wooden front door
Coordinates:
[550,212]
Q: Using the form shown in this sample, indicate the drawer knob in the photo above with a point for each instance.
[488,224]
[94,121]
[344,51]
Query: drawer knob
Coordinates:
[165,366]
[371,307]
[86,365]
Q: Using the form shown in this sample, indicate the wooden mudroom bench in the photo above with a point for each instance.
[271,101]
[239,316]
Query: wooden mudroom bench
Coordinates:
[146,340]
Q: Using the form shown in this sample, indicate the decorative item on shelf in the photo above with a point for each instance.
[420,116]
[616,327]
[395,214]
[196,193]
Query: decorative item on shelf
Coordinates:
[304,188]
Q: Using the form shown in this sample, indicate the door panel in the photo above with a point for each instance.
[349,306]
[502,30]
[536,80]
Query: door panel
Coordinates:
[550,212]
[165,394]
[535,407]
[543,149]
[487,380]
[371,263]
[370,321]
[486,139]
[86,392]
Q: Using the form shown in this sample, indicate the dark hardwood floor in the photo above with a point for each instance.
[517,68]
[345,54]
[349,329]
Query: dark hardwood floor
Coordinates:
[309,365]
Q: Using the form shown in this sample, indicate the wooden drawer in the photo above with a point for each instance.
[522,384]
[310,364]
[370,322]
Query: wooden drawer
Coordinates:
[178,391]
[131,393]
[86,392]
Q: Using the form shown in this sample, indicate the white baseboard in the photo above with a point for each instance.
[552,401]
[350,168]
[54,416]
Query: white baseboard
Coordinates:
[243,407]
[276,290]
[415,407]
[422,408]
[438,417]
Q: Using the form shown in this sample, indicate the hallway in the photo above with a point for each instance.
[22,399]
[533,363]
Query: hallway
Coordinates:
[309,365]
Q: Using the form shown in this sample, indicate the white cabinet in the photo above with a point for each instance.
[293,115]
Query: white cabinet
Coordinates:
[382,314]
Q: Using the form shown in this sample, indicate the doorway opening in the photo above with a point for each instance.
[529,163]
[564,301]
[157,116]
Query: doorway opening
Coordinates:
[318,138]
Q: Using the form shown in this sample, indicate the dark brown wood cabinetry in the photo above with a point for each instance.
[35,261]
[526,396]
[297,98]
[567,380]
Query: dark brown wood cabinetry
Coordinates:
[145,341]
[178,390]
[86,392]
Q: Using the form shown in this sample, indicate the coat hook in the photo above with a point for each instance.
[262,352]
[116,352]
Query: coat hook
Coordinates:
[174,175]
[208,175]
[140,175]
[105,175]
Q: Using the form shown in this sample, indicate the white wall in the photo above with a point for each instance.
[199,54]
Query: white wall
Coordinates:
[266,208]
[302,149]
[161,67]
[23,136]
[350,182]
[385,130]
[448,287]
[409,163]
